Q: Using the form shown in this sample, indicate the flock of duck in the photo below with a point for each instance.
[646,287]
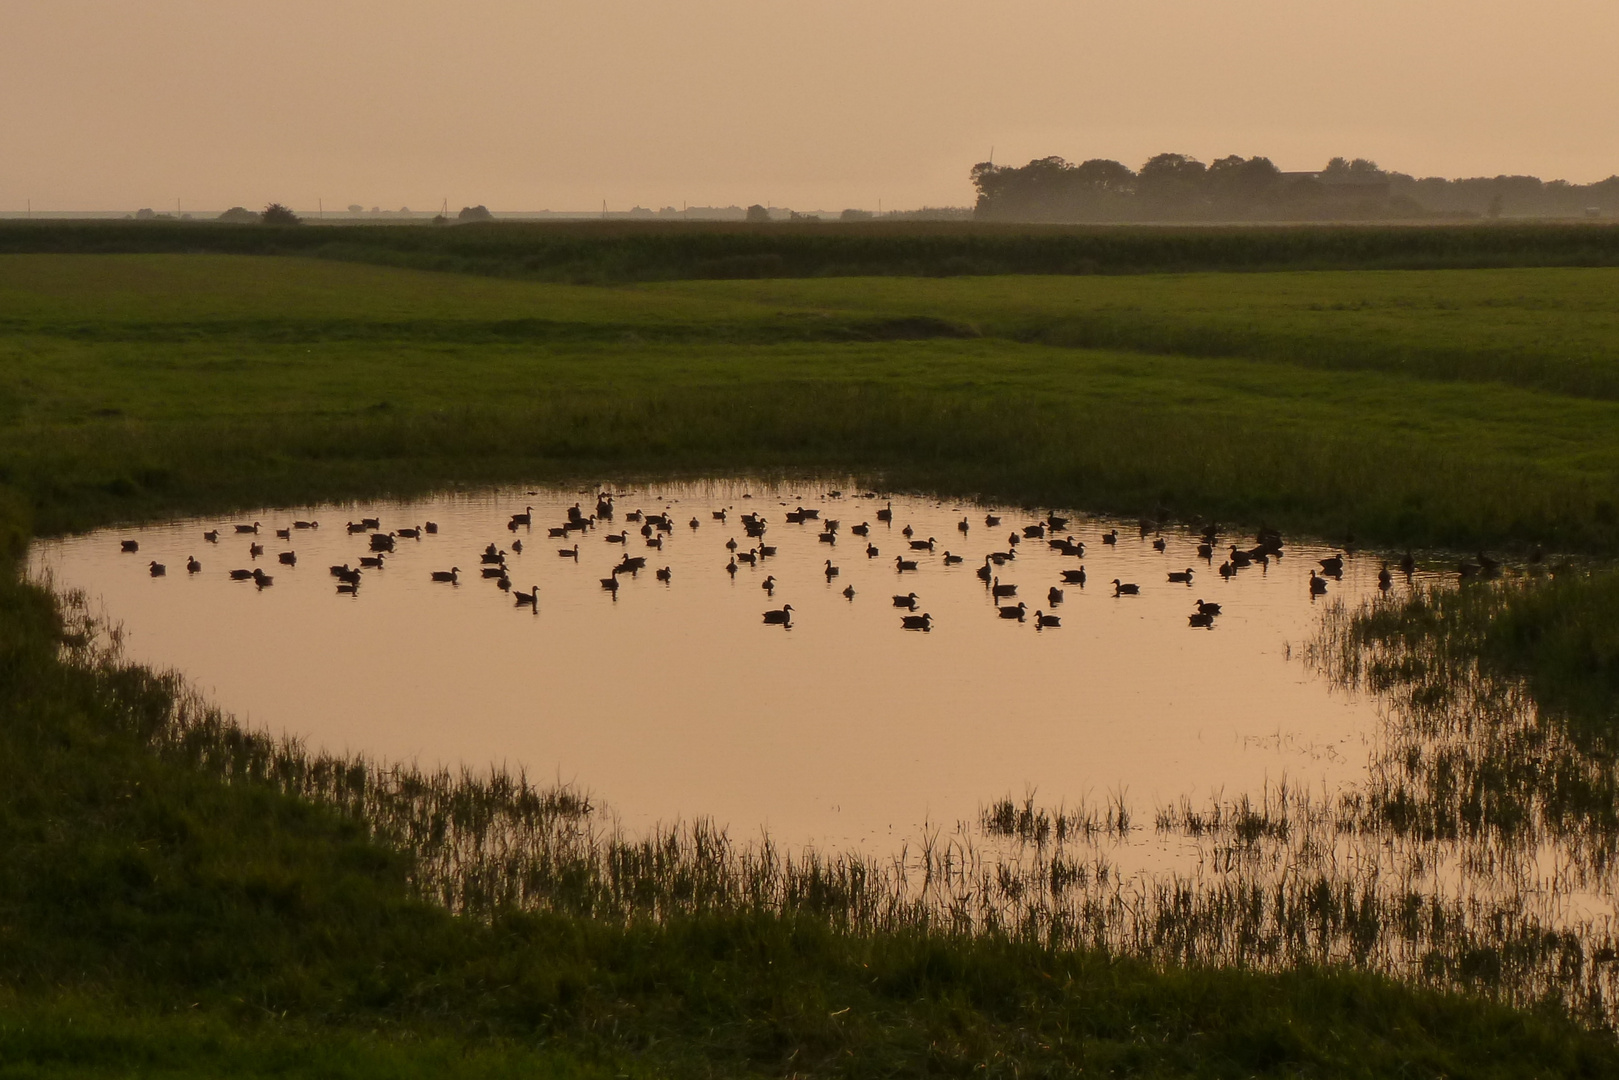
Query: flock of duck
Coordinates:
[755,553]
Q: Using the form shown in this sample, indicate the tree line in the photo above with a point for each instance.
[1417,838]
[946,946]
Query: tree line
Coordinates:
[1178,187]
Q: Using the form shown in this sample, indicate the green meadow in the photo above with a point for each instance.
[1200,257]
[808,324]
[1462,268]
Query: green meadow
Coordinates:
[162,915]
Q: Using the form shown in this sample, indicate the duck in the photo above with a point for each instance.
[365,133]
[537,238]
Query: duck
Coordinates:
[991,520]
[997,590]
[192,565]
[782,616]
[1332,565]
[952,560]
[730,567]
[1054,596]
[731,544]
[903,564]
[346,588]
[923,545]
[287,558]
[718,515]
[1121,588]
[871,551]
[1034,532]
[1318,585]
[1042,621]
[1200,619]
[630,566]
[374,562]
[1227,571]
[1013,540]
[569,553]
[1013,612]
[907,532]
[665,575]
[695,524]
[414,533]
[1205,550]
[831,571]
[503,583]
[862,529]
[827,537]
[356,527]
[1385,580]
[241,575]
[611,584]
[962,526]
[1183,577]
[1056,522]
[1074,577]
[848,592]
[1159,544]
[1111,538]
[283,534]
[766,550]
[255,550]
[371,523]
[525,518]
[923,622]
[1206,608]
[528,599]
[623,537]
[517,547]
[769,584]
[984,571]
[432,530]
[451,575]
[156,569]
[129,547]
[494,571]
[887,513]
[306,524]
[492,558]
[253,528]
[262,580]
[908,601]
[212,536]
[1408,564]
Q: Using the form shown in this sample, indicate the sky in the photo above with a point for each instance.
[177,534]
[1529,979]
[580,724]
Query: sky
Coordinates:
[812,104]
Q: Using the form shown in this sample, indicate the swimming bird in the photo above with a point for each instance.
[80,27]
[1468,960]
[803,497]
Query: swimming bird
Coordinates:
[766,550]
[1110,538]
[769,584]
[517,547]
[1201,619]
[241,575]
[731,567]
[923,622]
[984,571]
[1227,571]
[1054,596]
[862,529]
[1206,608]
[907,601]
[347,588]
[253,528]
[719,515]
[306,524]
[1013,612]
[452,575]
[255,550]
[528,599]
[827,537]
[1408,564]
[1318,585]
[623,537]
[432,530]
[1332,565]
[848,592]
[908,532]
[129,547]
[694,523]
[951,560]
[287,558]
[997,590]
[356,527]
[991,520]
[1056,522]
[1183,577]
[1013,540]
[1034,532]
[731,544]
[1205,550]
[371,522]
[212,536]
[569,553]
[611,584]
[157,569]
[374,562]
[410,534]
[887,514]
[262,580]
[903,564]
[962,526]
[871,551]
[503,583]
[831,571]
[525,518]
[1385,580]
[1122,589]
[780,617]
[664,575]
[1043,621]
[1074,577]
[192,565]
[923,545]
[283,534]
[494,571]
[627,565]
[751,557]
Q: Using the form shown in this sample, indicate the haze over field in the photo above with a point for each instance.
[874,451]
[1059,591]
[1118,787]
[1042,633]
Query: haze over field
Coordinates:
[530,105]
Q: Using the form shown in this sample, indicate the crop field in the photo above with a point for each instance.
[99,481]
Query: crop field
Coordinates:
[180,898]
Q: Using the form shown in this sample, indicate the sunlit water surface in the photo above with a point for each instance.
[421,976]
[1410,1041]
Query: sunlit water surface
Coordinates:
[675,700]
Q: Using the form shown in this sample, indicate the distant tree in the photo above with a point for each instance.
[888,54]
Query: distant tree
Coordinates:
[1242,179]
[356,208]
[276,214]
[1360,169]
[1105,175]
[239,215]
[475,213]
[855,215]
[758,213]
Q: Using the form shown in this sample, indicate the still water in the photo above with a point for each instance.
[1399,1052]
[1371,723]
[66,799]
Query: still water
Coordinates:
[673,699]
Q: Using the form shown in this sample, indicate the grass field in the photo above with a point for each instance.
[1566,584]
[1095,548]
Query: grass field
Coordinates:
[156,920]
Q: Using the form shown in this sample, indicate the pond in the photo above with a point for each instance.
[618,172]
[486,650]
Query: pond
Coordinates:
[672,699]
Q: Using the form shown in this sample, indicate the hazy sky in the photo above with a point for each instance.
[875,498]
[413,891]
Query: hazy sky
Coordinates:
[533,104]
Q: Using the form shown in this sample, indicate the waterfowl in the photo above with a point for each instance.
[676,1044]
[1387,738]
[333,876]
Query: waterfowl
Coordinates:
[1183,577]
[923,622]
[962,526]
[287,558]
[129,547]
[998,557]
[494,571]
[630,566]
[887,513]
[903,564]
[156,569]
[1110,538]
[908,601]
[831,571]
[432,529]
[766,550]
[283,534]
[951,560]
[525,518]
[768,584]
[557,534]
[212,536]
[923,545]
[504,583]
[451,575]
[1318,585]
[1123,589]
[751,557]
[984,571]
[610,584]
[1202,620]
[306,524]
[827,537]
[730,567]
[1385,580]
[731,544]
[1333,564]
[1159,544]
[1056,522]
[382,541]
[410,534]
[656,542]
[997,590]
[848,592]
[1074,577]
[665,575]
[719,515]
[623,537]
[371,523]
[356,527]
[255,550]
[1054,596]
[528,599]
[192,565]
[871,551]
[1034,532]
[1013,612]
[1242,558]
[1042,621]
[517,547]
[1408,564]
[1013,540]
[694,523]
[569,553]
[241,575]
[991,520]
[492,557]
[780,617]
[374,562]
[262,580]
[908,532]
[633,515]
[862,529]
[1227,571]
[1206,608]
[253,528]
[1205,550]
[346,588]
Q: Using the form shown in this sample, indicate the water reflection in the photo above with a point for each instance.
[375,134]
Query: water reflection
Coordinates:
[669,695]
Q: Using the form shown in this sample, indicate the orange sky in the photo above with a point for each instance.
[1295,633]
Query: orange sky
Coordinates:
[533,104]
